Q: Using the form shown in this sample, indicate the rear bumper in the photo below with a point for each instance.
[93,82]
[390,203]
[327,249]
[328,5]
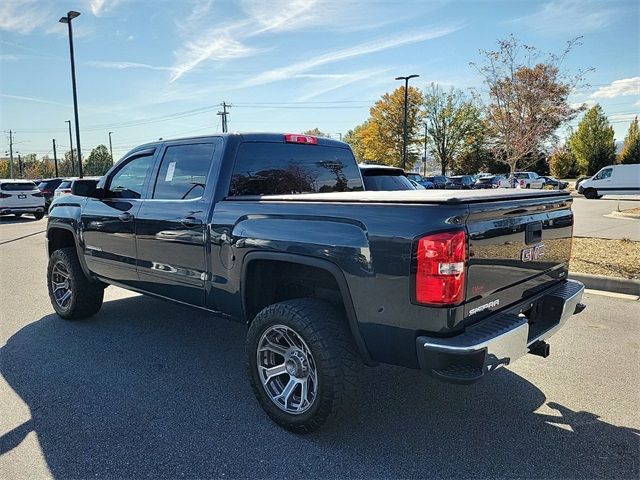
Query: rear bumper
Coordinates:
[500,339]
[10,210]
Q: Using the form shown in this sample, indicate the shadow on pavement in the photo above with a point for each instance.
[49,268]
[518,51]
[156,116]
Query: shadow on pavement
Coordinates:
[147,388]
[26,218]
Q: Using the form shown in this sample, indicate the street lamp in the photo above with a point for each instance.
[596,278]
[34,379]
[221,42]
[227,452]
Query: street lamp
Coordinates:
[73,168]
[404,128]
[70,16]
[111,148]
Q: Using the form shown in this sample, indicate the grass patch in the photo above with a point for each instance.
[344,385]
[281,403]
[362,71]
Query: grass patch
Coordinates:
[613,258]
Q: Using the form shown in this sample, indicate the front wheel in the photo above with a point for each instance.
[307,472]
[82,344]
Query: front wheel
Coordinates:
[72,294]
[302,364]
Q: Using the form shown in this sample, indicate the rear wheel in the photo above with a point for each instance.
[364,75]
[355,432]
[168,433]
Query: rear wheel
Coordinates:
[302,364]
[591,194]
[72,294]
[38,215]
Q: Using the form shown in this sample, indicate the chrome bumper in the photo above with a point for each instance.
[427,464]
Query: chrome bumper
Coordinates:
[499,339]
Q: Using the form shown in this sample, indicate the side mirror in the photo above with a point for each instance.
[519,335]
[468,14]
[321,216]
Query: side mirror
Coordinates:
[84,188]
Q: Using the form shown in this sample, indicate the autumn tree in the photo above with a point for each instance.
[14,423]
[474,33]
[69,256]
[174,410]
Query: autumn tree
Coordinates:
[451,120]
[355,139]
[98,161]
[593,142]
[631,149]
[527,92]
[381,136]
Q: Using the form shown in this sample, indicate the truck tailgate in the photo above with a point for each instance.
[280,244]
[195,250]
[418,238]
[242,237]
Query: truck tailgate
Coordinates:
[517,248]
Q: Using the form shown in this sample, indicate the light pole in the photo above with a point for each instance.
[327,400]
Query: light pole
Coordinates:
[424,172]
[70,16]
[404,127]
[111,149]
[73,169]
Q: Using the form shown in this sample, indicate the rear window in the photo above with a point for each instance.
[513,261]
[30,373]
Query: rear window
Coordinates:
[286,168]
[64,185]
[17,186]
[386,182]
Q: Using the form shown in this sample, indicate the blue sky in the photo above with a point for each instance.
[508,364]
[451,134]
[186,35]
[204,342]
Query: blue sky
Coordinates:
[148,69]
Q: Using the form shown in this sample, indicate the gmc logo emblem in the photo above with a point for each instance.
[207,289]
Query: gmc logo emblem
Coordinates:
[532,253]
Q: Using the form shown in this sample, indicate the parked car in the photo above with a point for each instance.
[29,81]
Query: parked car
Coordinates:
[21,196]
[66,186]
[495,181]
[382,177]
[438,181]
[417,186]
[528,180]
[554,183]
[48,188]
[612,180]
[460,182]
[267,230]
[420,180]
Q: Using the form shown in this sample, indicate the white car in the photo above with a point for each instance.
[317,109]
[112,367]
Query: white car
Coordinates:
[21,196]
[612,180]
[528,180]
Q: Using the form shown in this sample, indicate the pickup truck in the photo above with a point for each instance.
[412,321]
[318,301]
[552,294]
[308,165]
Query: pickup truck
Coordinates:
[529,180]
[276,231]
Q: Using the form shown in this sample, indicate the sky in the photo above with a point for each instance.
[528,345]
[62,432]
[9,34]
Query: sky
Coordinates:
[148,69]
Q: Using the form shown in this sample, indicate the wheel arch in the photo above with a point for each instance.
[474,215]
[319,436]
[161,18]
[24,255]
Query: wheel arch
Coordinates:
[63,236]
[328,268]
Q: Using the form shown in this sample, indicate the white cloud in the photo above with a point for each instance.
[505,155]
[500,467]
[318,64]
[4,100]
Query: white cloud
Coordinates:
[289,71]
[98,7]
[331,82]
[619,88]
[126,65]
[32,99]
[24,16]
[570,17]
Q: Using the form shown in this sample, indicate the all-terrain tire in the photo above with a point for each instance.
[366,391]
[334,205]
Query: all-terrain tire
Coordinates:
[86,295]
[325,332]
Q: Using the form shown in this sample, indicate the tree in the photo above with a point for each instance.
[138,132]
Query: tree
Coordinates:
[355,138]
[4,168]
[65,166]
[451,120]
[316,132]
[527,92]
[98,161]
[381,136]
[631,149]
[592,143]
[562,163]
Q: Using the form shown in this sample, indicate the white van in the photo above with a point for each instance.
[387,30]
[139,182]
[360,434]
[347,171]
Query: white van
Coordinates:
[21,196]
[612,180]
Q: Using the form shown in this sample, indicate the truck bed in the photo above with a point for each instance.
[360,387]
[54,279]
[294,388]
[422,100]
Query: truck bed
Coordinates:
[450,197]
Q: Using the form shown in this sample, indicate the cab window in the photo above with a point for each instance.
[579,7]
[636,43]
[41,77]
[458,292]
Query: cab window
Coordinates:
[604,173]
[183,172]
[129,180]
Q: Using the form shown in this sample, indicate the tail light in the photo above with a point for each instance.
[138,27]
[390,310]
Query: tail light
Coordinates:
[440,268]
[39,194]
[4,195]
[65,191]
[522,183]
[295,138]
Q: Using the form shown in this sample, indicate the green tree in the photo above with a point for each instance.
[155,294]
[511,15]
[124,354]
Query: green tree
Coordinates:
[65,167]
[452,119]
[528,99]
[562,163]
[98,161]
[382,133]
[631,149]
[592,143]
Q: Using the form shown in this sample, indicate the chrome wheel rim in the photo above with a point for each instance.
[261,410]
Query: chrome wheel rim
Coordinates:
[287,369]
[61,285]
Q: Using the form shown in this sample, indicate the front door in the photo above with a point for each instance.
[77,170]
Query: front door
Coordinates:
[171,223]
[108,224]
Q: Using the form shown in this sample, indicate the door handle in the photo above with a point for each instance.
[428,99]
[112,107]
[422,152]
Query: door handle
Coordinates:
[125,217]
[191,221]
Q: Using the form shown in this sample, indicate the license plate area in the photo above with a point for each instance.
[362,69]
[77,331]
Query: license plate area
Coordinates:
[22,196]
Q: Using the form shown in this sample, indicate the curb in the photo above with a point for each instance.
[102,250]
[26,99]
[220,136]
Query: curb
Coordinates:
[623,214]
[608,284]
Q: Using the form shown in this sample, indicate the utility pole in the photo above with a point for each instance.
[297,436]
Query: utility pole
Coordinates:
[73,168]
[11,153]
[404,126]
[111,149]
[424,169]
[55,158]
[19,165]
[224,114]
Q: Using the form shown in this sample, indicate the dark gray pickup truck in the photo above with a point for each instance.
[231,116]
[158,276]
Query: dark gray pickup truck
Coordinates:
[276,231]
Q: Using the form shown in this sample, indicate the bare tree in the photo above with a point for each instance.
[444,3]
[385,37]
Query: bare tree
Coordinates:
[527,94]
[451,119]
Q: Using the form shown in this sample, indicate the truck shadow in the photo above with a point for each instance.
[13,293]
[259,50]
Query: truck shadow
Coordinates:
[146,388]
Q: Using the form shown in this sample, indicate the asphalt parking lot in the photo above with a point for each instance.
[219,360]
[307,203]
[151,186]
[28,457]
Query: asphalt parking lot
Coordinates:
[151,389]
[590,219]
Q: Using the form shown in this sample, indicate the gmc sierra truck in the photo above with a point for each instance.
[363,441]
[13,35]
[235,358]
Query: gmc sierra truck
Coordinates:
[278,232]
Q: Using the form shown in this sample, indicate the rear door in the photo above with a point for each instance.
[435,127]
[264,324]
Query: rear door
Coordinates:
[516,248]
[108,224]
[171,224]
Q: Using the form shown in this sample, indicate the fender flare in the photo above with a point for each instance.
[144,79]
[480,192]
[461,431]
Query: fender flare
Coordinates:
[79,253]
[330,268]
